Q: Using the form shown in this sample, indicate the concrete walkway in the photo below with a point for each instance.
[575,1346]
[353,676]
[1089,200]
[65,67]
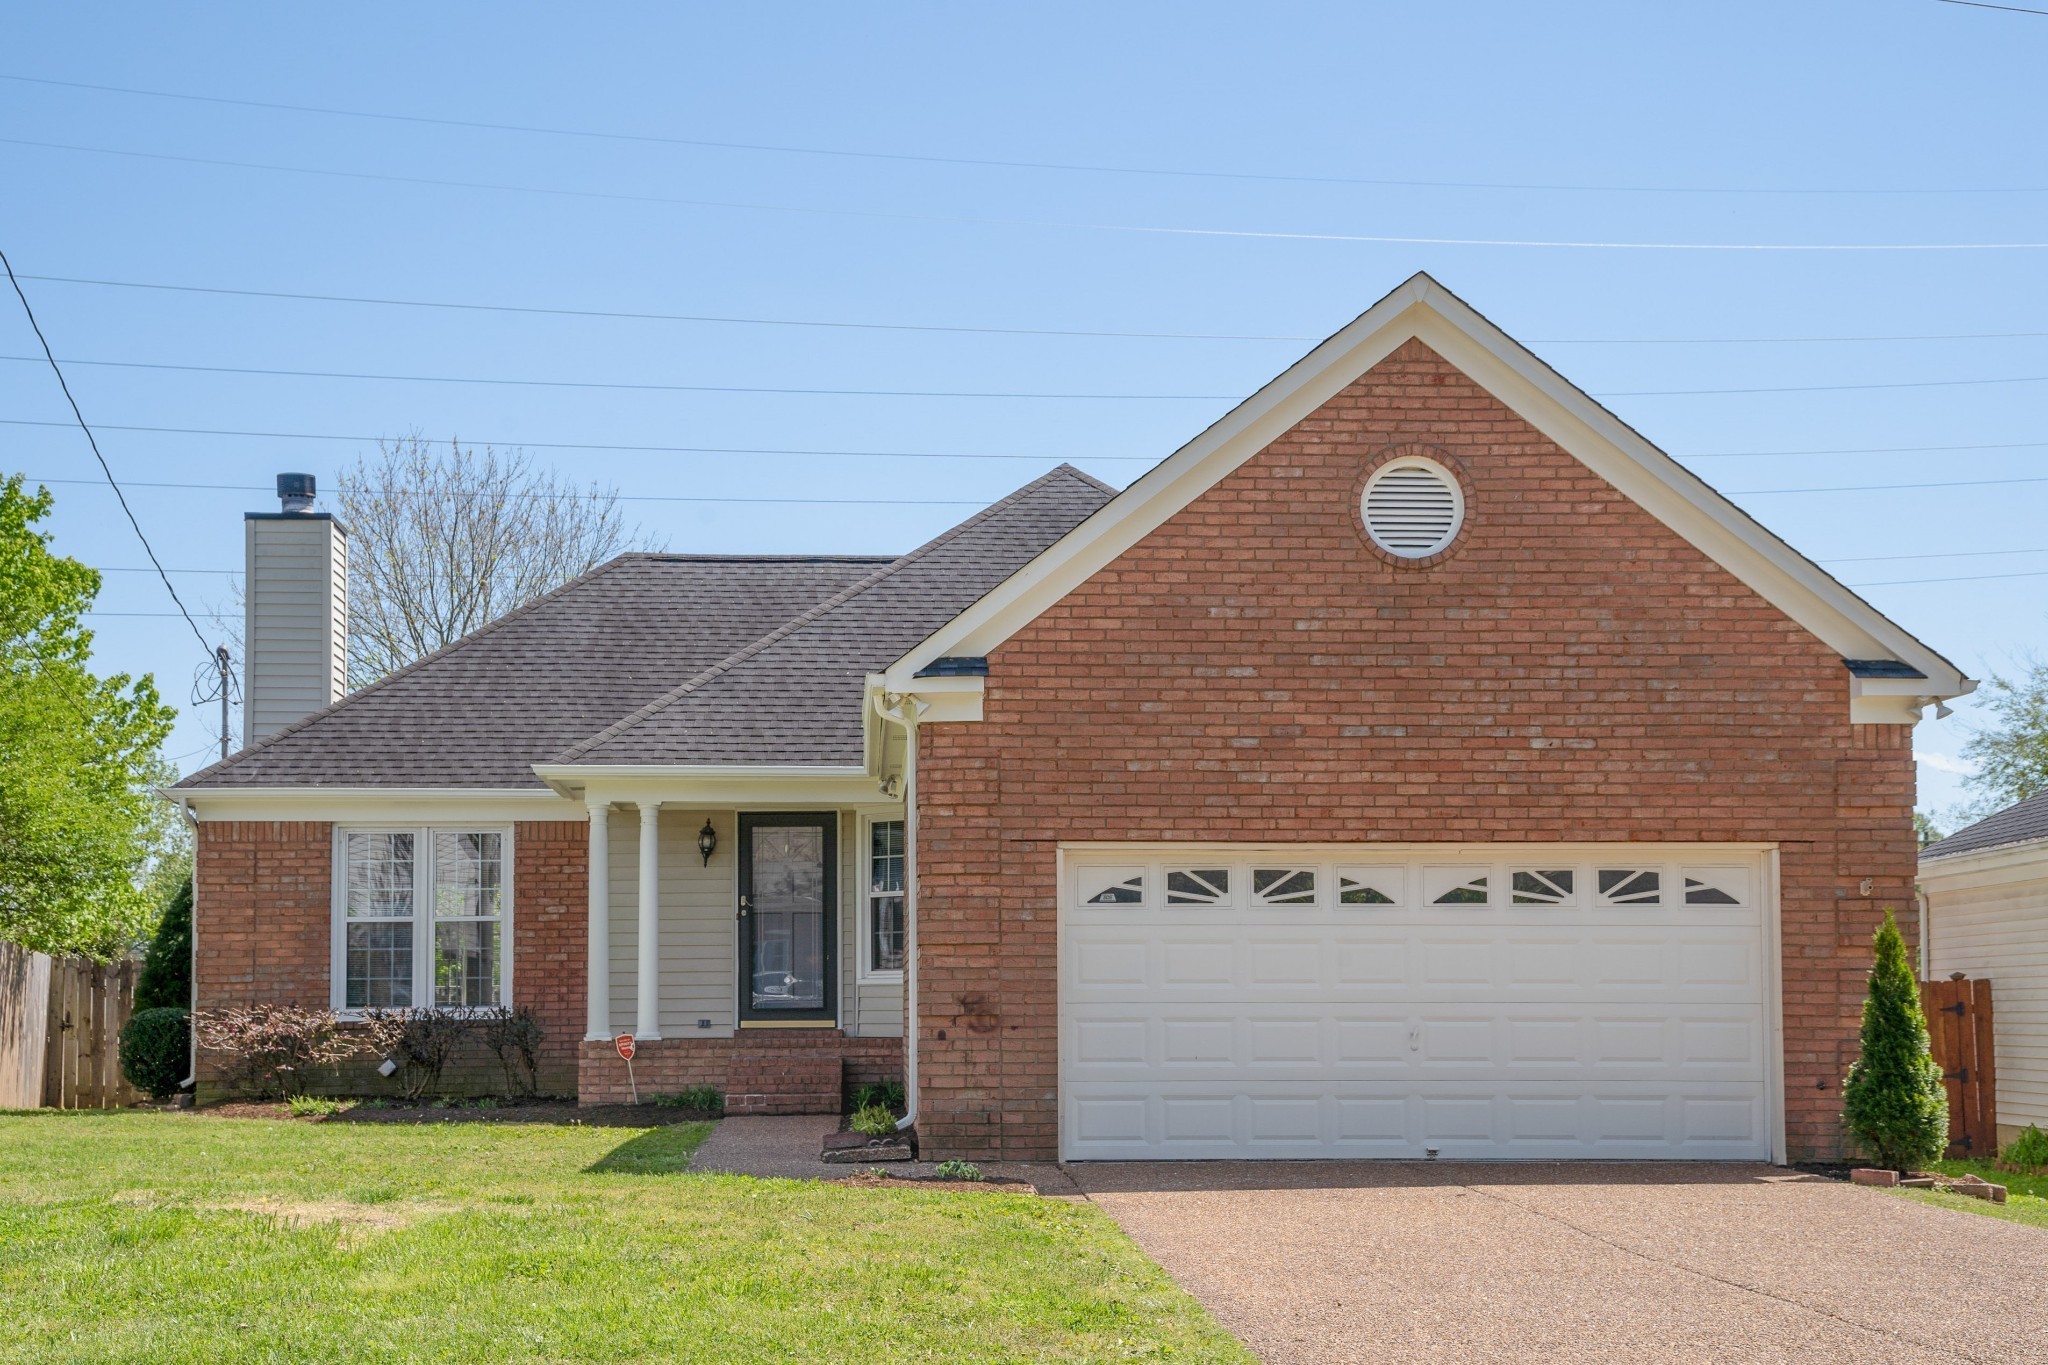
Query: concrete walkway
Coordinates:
[787,1147]
[1455,1262]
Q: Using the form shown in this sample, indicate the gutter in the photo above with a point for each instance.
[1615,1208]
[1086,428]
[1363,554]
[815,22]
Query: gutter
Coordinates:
[904,711]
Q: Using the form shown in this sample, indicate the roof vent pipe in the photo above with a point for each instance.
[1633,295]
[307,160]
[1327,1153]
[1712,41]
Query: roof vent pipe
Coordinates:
[295,492]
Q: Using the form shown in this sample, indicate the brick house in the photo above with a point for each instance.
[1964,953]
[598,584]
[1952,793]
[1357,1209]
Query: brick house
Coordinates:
[1418,760]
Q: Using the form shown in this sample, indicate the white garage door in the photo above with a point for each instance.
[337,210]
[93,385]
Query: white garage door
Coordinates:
[1505,1001]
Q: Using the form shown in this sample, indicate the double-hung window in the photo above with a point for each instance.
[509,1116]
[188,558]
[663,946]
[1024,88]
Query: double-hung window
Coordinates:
[420,918]
[884,930]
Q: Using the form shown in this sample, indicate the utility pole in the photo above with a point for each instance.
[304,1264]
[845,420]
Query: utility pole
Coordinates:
[220,655]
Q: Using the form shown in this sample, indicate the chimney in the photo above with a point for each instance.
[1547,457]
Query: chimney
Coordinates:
[294,611]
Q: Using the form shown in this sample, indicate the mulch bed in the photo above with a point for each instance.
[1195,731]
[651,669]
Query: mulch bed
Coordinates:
[565,1112]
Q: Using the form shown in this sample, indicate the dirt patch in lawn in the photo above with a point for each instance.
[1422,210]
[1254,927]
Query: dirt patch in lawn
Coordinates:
[355,1220]
[565,1113]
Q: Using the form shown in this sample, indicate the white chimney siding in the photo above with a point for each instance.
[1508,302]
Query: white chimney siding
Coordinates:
[295,618]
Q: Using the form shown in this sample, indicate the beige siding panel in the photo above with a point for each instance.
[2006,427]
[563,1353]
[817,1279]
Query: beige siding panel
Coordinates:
[295,621]
[2000,932]
[698,971]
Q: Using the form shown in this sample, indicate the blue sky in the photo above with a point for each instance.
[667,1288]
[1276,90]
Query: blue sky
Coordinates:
[1900,122]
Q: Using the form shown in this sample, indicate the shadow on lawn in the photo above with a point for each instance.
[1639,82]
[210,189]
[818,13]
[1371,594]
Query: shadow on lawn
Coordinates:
[658,1151]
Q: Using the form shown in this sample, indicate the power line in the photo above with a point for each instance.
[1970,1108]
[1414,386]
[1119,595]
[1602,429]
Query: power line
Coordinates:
[1878,487]
[93,441]
[927,454]
[984,221]
[612,384]
[1093,333]
[1967,578]
[1950,554]
[594,497]
[574,445]
[947,393]
[1006,164]
[1981,4]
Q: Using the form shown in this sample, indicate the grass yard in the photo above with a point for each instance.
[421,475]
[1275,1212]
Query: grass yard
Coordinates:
[2026,1195]
[161,1237]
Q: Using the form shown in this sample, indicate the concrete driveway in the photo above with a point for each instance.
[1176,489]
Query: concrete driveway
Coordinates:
[1360,1262]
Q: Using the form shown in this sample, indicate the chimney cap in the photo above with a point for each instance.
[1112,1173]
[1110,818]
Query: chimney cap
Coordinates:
[295,492]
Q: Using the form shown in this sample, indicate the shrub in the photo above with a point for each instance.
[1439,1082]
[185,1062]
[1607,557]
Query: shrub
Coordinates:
[874,1120]
[272,1050]
[888,1094]
[156,1049]
[1893,1102]
[957,1170]
[2028,1151]
[707,1099]
[420,1041]
[513,1037]
[166,980]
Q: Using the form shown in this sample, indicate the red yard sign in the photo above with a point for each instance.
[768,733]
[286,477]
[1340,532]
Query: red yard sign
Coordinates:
[624,1043]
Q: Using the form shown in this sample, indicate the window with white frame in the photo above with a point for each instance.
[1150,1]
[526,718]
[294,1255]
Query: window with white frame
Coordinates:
[420,919]
[885,897]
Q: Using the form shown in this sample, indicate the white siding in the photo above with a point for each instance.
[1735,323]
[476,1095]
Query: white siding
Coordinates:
[699,946]
[295,621]
[1993,924]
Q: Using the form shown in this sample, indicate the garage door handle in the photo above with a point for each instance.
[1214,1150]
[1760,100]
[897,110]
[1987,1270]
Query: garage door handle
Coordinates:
[1415,1037]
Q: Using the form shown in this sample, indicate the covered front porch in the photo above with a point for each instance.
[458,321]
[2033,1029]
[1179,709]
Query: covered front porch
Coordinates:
[747,930]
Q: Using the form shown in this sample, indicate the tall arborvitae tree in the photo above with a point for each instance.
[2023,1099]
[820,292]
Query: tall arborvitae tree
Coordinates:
[1893,1102]
[166,980]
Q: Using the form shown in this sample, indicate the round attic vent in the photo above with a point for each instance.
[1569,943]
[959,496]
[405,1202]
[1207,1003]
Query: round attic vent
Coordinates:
[1413,507]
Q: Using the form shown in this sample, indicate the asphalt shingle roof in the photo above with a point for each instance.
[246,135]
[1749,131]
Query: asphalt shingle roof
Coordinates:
[656,658]
[2018,824]
[482,711]
[795,696]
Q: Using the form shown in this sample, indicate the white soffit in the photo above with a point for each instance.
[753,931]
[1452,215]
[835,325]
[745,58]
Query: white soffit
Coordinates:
[1423,309]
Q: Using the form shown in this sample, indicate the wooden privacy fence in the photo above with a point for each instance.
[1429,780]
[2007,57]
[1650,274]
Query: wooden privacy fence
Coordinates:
[60,1031]
[1959,1030]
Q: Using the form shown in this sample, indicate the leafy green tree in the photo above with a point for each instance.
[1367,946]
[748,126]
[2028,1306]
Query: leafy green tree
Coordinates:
[1893,1102]
[83,838]
[2011,753]
[166,981]
[1926,830]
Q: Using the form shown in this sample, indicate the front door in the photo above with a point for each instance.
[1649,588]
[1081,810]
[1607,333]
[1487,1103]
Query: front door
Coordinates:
[787,928]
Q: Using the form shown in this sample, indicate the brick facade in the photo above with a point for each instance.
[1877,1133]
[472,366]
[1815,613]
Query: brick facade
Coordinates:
[760,1071]
[1570,670]
[263,913]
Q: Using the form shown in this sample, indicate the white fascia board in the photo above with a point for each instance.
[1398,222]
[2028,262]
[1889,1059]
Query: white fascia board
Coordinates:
[2014,862]
[779,786]
[398,804]
[1423,309]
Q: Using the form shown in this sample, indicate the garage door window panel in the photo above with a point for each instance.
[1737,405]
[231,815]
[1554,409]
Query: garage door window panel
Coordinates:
[1458,886]
[1198,886]
[1716,886]
[1543,887]
[1631,886]
[1283,886]
[1113,886]
[1368,886]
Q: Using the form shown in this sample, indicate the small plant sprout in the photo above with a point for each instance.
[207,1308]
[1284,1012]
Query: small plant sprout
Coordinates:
[875,1121]
[957,1170]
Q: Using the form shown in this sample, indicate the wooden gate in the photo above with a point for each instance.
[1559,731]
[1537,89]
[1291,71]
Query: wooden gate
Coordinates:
[60,1030]
[1959,1030]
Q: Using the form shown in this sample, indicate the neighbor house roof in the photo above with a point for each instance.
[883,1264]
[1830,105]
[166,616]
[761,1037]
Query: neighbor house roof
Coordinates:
[660,658]
[2019,824]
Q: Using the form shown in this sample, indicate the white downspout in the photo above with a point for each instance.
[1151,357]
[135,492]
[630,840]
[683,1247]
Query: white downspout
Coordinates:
[191,1081]
[905,712]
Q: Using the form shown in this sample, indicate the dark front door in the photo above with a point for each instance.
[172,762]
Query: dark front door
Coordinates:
[787,928]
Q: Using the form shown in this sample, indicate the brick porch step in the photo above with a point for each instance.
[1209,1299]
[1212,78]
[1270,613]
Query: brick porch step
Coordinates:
[783,1077]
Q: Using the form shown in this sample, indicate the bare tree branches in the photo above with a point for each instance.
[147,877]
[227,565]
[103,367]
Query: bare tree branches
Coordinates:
[443,540]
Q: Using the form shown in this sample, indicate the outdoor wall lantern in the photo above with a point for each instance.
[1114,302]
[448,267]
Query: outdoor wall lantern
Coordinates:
[707,841]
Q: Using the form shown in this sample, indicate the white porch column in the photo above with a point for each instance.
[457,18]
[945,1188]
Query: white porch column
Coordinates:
[649,996]
[598,1007]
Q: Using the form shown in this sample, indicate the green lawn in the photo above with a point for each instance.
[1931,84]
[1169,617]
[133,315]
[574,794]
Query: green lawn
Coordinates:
[2026,1195]
[159,1237]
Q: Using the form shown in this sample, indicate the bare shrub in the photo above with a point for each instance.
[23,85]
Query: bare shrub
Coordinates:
[272,1051]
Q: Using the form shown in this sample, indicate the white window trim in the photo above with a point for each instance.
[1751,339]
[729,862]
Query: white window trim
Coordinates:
[422,921]
[869,974]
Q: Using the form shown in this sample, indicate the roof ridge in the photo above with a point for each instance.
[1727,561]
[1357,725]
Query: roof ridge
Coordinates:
[798,622]
[523,609]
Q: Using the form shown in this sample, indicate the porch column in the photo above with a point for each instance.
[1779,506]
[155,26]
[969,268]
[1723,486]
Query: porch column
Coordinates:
[598,1006]
[649,996]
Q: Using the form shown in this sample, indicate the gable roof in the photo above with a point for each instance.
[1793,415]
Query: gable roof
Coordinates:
[2023,823]
[798,694]
[1424,310]
[480,712]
